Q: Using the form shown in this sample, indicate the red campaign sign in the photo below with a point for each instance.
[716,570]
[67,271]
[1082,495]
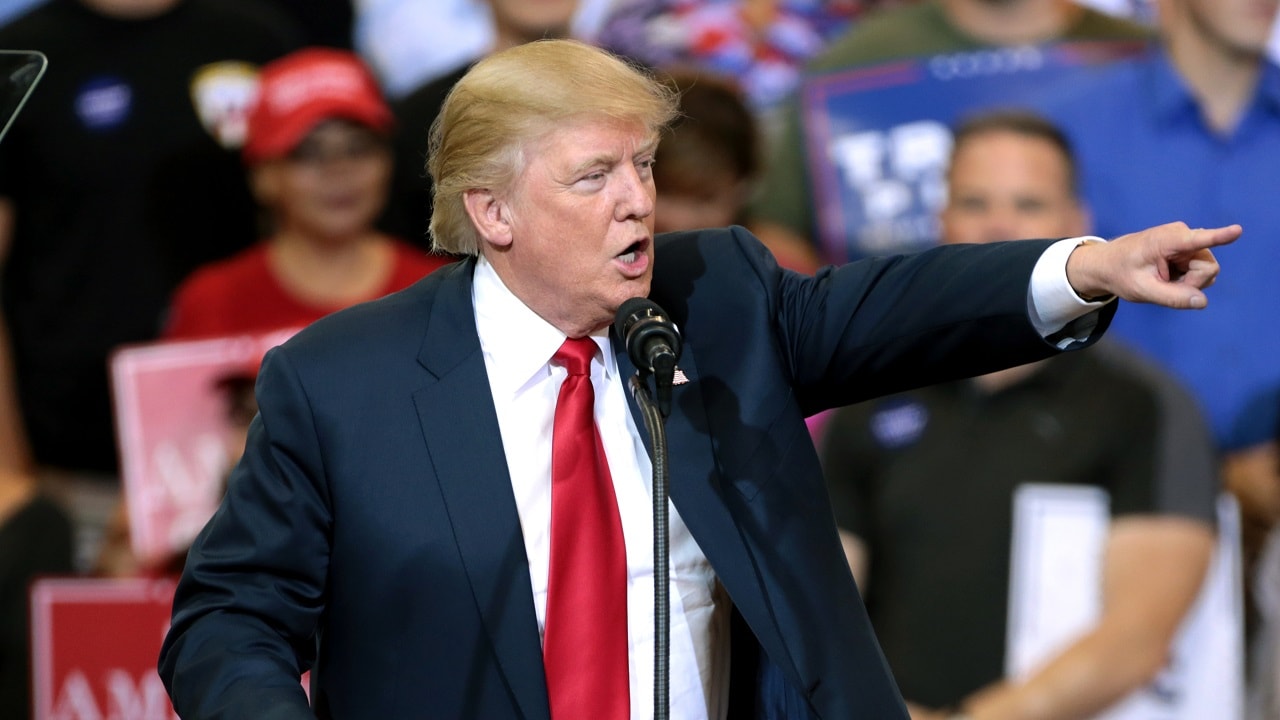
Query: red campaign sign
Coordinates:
[95,644]
[94,648]
[176,440]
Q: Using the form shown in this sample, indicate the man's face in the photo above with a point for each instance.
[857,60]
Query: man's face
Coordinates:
[1008,186]
[534,19]
[1236,26]
[579,223]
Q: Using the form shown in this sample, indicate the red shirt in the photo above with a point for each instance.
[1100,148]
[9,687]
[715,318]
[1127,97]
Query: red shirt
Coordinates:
[241,295]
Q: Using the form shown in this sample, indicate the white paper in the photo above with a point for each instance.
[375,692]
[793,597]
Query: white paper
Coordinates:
[1059,533]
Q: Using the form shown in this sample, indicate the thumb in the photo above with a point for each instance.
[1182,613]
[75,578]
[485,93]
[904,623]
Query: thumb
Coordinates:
[1179,296]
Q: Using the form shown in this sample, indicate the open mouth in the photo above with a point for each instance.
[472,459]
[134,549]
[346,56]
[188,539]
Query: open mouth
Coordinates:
[628,256]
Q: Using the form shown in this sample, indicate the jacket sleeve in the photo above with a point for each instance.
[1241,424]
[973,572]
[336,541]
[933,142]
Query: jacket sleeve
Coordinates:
[883,325]
[251,595]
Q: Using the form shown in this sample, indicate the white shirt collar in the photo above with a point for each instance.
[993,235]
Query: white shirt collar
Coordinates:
[515,340]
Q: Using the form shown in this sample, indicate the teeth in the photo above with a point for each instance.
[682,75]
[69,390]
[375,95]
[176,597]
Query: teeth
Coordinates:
[628,257]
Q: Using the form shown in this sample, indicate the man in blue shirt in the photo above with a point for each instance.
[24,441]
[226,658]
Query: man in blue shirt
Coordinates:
[1195,127]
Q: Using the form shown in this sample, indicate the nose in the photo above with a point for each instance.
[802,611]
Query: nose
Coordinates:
[636,195]
[1000,224]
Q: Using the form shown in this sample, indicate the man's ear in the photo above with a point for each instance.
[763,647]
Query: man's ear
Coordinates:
[490,216]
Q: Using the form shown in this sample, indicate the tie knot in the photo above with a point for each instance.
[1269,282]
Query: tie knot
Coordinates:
[575,355]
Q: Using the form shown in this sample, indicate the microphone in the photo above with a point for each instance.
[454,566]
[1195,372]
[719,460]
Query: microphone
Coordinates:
[653,344]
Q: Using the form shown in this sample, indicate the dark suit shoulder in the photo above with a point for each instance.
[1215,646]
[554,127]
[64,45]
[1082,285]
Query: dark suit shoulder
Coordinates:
[719,265]
[714,251]
[394,323]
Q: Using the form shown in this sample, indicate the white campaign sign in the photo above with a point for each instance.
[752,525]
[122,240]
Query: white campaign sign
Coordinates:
[1059,532]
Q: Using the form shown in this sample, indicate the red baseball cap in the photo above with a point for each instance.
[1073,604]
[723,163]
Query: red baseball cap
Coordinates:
[302,89]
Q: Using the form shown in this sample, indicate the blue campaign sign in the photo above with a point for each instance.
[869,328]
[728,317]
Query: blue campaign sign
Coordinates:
[878,138]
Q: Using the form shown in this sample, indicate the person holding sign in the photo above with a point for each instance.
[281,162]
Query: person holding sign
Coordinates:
[923,482]
[1202,134]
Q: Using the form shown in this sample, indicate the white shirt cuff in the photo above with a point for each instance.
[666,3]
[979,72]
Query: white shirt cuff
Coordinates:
[1051,301]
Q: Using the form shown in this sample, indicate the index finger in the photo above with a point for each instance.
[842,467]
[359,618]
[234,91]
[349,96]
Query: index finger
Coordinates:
[1204,238]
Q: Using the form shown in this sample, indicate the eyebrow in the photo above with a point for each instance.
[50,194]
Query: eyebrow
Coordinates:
[648,146]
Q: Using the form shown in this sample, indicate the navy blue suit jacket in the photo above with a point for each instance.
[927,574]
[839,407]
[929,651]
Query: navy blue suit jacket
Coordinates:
[371,530]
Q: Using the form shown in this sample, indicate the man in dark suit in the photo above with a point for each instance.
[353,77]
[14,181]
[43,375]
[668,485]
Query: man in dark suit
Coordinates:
[392,524]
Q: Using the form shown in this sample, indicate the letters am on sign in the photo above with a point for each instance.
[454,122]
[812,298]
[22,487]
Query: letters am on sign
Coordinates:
[94,646]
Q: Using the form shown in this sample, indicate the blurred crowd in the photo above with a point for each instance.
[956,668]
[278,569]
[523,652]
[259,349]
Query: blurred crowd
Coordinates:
[198,169]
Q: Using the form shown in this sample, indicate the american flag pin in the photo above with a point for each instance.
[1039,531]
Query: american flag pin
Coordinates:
[679,378]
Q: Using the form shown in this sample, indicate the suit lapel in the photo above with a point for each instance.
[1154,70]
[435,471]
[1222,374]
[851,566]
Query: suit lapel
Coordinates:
[460,428]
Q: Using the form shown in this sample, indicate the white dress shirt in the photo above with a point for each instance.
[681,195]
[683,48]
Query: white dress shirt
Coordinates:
[517,346]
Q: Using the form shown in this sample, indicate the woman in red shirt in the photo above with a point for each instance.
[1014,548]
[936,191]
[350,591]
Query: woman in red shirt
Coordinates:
[319,162]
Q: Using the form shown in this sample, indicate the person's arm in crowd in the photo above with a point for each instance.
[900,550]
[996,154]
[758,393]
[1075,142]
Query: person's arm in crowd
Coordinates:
[1152,573]
[1252,475]
[15,450]
[855,551]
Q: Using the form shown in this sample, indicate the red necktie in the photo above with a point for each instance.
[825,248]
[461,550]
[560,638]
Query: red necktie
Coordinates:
[585,640]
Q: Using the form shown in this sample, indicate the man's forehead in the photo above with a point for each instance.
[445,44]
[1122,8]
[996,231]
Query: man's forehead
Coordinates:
[595,141]
[579,130]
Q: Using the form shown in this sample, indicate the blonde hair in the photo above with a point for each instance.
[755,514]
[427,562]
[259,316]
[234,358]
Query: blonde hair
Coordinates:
[510,99]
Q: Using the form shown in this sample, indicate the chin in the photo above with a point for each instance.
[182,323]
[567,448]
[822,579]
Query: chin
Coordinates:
[625,292]
[343,227]
[638,287]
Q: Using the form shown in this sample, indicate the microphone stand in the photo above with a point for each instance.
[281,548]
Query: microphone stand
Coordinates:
[653,420]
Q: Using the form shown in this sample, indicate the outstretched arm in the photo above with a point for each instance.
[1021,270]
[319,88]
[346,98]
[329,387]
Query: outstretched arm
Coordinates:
[1168,265]
[15,451]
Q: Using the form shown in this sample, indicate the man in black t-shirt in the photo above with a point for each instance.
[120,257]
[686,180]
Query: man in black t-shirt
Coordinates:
[923,482]
[120,175]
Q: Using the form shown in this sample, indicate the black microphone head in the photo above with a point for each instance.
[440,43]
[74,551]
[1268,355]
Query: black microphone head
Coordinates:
[643,326]
[631,312]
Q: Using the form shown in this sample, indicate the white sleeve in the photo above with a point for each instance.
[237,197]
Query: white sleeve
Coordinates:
[1051,301]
